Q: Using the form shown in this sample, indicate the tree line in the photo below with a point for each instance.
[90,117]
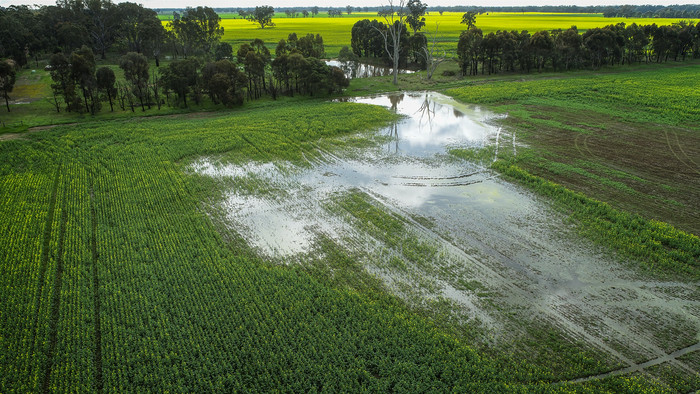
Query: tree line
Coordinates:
[104,26]
[653,11]
[79,86]
[201,65]
[512,51]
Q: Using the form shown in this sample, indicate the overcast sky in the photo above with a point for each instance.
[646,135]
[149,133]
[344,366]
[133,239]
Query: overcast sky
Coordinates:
[355,3]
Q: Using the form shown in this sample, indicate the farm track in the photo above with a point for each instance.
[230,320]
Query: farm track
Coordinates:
[56,297]
[642,366]
[48,229]
[96,293]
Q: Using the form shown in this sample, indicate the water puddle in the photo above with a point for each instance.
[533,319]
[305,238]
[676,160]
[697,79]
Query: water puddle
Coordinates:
[495,243]
[410,168]
[362,70]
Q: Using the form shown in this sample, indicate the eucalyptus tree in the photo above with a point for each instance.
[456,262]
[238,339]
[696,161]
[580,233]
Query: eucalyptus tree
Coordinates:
[415,18]
[395,18]
[7,81]
[262,15]
[135,66]
[105,79]
[197,30]
[82,64]
[469,19]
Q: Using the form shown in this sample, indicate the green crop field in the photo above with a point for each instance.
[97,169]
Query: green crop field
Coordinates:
[114,278]
[336,31]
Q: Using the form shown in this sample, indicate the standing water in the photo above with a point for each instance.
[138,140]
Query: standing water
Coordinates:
[497,244]
[363,70]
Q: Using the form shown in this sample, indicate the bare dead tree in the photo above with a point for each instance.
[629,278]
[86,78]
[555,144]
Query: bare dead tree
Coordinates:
[432,54]
[393,14]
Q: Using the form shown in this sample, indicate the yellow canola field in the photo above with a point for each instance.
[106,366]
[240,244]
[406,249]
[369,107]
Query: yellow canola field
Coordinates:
[336,31]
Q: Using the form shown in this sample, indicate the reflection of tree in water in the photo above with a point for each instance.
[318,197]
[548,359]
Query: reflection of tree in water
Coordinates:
[426,112]
[354,69]
[395,100]
[457,113]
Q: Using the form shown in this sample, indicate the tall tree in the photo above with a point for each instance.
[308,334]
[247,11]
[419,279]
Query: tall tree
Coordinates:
[395,18]
[262,15]
[468,50]
[469,19]
[20,30]
[197,30]
[105,83]
[541,44]
[135,66]
[7,81]
[181,77]
[224,82]
[63,84]
[104,23]
[432,54]
[82,64]
[415,18]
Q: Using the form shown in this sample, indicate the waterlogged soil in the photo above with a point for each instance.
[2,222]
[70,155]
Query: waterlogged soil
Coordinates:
[503,259]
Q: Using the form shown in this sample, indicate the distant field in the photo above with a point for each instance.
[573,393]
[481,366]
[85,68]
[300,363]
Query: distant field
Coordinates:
[336,31]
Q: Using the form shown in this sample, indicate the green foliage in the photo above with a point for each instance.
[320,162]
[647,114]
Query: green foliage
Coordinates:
[262,15]
[197,31]
[7,81]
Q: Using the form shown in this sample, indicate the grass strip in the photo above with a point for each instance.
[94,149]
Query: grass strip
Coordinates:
[657,245]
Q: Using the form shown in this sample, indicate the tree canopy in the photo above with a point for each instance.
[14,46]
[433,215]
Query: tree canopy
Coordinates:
[262,15]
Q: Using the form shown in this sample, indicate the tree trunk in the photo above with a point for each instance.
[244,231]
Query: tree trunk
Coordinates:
[109,96]
[397,42]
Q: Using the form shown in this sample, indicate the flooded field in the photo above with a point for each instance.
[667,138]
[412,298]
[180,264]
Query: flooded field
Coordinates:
[437,229]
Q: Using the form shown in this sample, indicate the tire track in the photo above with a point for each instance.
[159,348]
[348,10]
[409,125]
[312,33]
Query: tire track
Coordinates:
[430,178]
[680,147]
[670,148]
[56,297]
[96,294]
[641,366]
[48,229]
[586,147]
[500,281]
